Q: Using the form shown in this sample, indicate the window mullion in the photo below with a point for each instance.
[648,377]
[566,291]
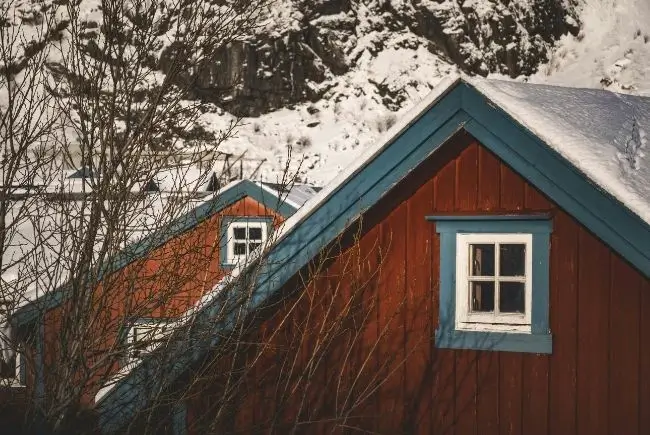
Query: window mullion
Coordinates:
[497,292]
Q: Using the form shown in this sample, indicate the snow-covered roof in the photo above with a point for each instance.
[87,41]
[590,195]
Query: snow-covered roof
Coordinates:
[297,194]
[602,133]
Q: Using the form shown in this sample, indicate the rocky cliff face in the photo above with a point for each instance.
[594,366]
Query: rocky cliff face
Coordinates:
[323,39]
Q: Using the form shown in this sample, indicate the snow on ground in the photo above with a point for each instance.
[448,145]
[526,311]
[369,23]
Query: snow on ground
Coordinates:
[327,135]
[612,51]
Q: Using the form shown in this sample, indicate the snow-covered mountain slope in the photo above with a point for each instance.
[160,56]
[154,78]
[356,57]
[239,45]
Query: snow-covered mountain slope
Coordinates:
[322,79]
[611,51]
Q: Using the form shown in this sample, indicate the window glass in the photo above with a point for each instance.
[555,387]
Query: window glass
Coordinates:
[512,259]
[255,233]
[482,258]
[239,249]
[239,233]
[482,296]
[512,297]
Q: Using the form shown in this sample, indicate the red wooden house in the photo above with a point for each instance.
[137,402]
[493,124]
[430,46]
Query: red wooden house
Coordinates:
[484,269]
[219,233]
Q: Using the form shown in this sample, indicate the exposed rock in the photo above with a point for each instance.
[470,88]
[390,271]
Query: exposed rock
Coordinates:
[272,71]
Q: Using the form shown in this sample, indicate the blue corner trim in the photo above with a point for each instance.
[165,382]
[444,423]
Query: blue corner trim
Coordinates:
[39,369]
[30,312]
[495,341]
[223,240]
[539,341]
[462,107]
[179,416]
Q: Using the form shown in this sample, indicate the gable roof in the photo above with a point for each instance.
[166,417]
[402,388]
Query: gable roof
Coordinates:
[503,117]
[33,305]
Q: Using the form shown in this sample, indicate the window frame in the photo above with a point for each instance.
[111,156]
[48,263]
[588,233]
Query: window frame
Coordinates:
[227,242]
[511,322]
[19,378]
[151,323]
[534,339]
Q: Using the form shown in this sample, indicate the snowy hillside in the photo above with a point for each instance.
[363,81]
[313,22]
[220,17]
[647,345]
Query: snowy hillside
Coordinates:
[322,79]
[611,51]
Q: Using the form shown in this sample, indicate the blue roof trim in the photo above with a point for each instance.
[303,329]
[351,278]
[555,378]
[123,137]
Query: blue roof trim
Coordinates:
[30,312]
[461,107]
[543,167]
[491,217]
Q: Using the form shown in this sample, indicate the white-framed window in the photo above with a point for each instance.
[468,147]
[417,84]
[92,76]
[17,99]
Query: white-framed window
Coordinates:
[494,276]
[145,335]
[243,237]
[12,371]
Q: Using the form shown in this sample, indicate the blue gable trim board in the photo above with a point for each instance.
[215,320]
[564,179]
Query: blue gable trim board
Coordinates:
[223,240]
[447,336]
[30,312]
[426,134]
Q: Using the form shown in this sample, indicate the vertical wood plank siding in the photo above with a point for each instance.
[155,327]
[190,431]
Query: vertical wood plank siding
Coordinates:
[182,269]
[381,373]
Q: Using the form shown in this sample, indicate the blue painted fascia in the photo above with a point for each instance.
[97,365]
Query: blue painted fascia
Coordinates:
[489,217]
[30,312]
[223,240]
[540,339]
[600,212]
[39,365]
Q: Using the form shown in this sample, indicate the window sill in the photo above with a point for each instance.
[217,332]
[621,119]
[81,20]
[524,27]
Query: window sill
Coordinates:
[13,386]
[496,341]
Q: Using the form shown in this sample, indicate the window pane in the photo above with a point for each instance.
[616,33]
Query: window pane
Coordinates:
[253,246]
[512,260]
[482,257]
[512,297]
[255,233]
[482,296]
[240,249]
[8,369]
[240,233]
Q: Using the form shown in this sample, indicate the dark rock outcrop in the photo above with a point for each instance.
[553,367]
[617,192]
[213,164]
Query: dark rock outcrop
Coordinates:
[271,71]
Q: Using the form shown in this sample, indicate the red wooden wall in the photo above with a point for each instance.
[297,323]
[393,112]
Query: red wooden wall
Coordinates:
[164,284]
[353,351]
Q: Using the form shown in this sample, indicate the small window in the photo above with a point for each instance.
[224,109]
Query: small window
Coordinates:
[144,336]
[12,373]
[494,283]
[242,238]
